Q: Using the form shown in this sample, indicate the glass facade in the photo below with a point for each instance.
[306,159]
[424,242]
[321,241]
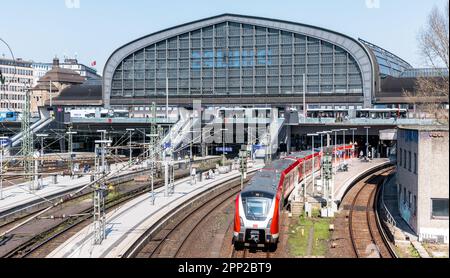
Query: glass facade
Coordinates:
[237,59]
[389,63]
[425,72]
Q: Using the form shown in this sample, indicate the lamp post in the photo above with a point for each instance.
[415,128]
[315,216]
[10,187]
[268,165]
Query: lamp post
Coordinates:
[353,141]
[322,133]
[42,136]
[71,133]
[335,148]
[367,142]
[305,112]
[343,142]
[103,133]
[2,139]
[103,138]
[313,163]
[223,145]
[152,168]
[131,130]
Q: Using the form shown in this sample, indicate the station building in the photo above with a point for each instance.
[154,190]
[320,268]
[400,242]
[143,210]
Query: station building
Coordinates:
[249,61]
[423,180]
[240,62]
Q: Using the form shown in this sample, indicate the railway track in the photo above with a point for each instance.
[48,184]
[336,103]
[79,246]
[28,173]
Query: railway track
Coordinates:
[171,237]
[54,231]
[251,254]
[42,233]
[45,247]
[49,167]
[366,235]
[170,241]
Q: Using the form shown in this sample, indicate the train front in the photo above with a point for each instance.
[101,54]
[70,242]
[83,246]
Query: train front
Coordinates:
[256,218]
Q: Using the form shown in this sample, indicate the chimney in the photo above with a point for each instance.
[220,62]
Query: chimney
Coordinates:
[56,62]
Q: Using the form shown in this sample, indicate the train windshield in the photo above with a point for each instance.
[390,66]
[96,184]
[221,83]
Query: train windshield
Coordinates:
[257,206]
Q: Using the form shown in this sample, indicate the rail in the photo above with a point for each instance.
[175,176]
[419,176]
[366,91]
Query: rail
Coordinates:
[135,248]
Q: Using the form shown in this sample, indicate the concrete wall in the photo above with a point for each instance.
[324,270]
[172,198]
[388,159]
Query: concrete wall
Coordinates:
[430,180]
[408,181]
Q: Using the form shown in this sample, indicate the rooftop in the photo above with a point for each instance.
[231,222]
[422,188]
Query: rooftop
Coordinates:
[426,127]
[58,74]
[88,93]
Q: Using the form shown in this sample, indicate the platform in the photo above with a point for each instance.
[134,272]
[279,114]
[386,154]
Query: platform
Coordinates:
[126,224]
[356,169]
[19,195]
[343,180]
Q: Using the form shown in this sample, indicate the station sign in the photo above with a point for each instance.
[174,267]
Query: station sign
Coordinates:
[5,142]
[227,149]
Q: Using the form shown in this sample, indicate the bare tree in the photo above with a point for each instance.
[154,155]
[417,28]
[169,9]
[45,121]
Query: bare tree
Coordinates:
[431,94]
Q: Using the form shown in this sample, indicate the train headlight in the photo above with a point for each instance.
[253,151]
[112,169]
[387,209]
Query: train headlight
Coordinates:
[242,222]
[270,224]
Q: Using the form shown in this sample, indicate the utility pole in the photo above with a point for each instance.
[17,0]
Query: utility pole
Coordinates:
[223,146]
[243,155]
[151,158]
[41,154]
[99,195]
[2,139]
[321,155]
[27,141]
[367,142]
[166,177]
[153,142]
[335,149]
[343,144]
[328,180]
[131,130]
[313,164]
[305,112]
[70,133]
[167,99]
[353,141]
[269,146]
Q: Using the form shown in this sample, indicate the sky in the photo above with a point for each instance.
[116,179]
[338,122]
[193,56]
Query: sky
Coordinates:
[92,30]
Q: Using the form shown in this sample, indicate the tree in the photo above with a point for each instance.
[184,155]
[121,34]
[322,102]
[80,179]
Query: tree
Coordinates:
[431,94]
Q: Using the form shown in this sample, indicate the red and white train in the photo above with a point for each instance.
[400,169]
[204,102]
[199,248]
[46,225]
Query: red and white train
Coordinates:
[259,205]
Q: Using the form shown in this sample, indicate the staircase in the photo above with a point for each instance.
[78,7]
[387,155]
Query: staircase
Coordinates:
[276,127]
[44,121]
[181,132]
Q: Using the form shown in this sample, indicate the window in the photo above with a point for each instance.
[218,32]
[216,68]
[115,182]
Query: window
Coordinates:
[415,163]
[404,159]
[409,161]
[439,208]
